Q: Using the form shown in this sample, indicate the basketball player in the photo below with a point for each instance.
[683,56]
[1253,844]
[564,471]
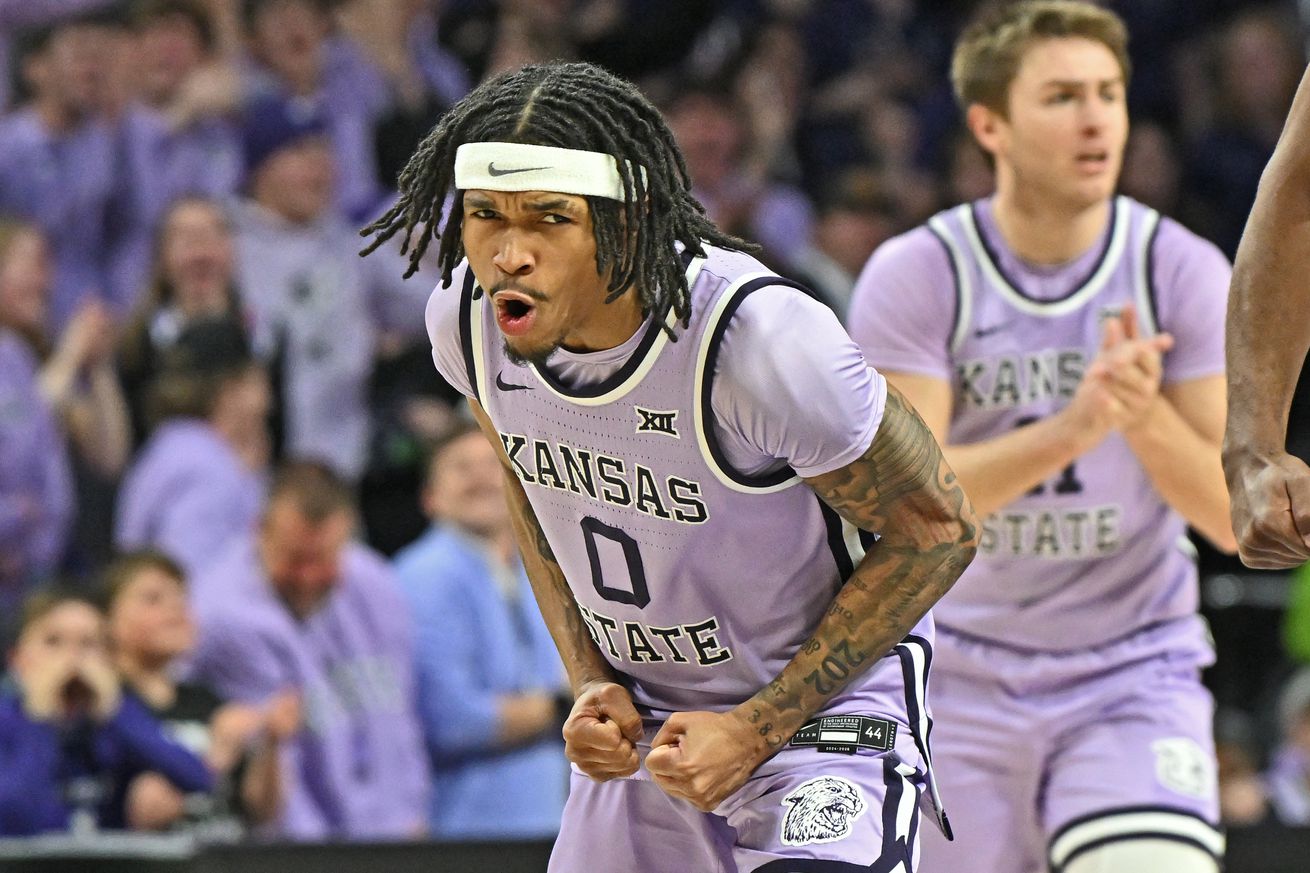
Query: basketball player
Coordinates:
[697,455]
[1066,347]
[1269,332]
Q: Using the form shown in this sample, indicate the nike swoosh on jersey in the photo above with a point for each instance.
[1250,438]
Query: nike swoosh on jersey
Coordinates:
[508,386]
[492,171]
[995,328]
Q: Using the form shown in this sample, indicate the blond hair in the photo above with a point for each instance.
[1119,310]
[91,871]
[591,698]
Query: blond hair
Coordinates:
[989,51]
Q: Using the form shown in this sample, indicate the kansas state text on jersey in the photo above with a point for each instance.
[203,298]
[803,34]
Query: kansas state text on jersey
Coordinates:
[666,475]
[951,301]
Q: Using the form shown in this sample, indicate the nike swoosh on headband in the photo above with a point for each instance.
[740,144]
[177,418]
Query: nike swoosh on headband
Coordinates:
[493,166]
[492,171]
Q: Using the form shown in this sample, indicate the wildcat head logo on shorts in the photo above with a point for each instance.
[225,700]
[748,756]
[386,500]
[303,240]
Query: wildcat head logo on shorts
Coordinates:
[1182,766]
[822,811]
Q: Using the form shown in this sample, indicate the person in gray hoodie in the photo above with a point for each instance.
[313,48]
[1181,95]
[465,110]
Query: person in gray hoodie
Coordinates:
[316,308]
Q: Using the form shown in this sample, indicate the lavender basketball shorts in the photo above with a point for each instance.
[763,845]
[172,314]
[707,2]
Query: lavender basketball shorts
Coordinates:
[803,810]
[1042,757]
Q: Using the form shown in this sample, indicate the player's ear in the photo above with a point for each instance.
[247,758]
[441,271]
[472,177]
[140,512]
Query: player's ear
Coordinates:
[985,125]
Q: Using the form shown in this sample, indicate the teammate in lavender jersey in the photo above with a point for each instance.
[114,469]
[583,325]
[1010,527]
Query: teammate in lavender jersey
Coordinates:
[1066,347]
[651,389]
[1269,333]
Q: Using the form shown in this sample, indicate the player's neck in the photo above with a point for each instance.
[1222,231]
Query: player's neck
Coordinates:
[610,326]
[1041,232]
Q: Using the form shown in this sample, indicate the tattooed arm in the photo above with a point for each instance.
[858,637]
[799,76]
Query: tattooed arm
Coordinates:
[602,730]
[901,488]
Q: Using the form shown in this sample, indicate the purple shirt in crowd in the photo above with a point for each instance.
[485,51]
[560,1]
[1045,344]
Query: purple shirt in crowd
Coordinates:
[443,72]
[357,769]
[951,301]
[781,219]
[163,164]
[17,15]
[44,767]
[353,95]
[71,188]
[318,304]
[36,482]
[187,494]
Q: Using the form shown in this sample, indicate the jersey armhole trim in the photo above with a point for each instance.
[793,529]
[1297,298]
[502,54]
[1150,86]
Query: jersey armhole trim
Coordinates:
[963,286]
[717,321]
[1148,310]
[467,333]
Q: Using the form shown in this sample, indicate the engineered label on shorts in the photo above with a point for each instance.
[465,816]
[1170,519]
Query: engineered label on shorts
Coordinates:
[844,734]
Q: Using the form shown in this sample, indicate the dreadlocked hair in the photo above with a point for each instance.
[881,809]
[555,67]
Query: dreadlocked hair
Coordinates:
[572,106]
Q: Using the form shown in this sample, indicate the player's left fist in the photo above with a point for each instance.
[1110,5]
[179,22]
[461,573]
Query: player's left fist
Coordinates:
[1270,508]
[702,757]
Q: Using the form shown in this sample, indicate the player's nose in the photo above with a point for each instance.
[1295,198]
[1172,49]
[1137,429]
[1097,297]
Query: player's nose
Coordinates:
[513,257]
[1095,115]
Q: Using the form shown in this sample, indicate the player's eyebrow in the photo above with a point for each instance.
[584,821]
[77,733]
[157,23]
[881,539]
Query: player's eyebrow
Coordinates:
[1078,83]
[558,205]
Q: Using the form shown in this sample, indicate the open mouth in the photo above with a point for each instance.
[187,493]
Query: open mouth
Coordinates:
[515,313]
[1094,160]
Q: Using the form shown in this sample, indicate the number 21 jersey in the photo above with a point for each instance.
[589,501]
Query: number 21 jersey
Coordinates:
[1094,553]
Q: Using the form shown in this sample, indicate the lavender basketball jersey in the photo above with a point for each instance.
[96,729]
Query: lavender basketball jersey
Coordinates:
[1097,539]
[696,581]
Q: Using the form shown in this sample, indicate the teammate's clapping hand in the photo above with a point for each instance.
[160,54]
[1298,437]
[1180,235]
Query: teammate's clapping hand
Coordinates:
[1132,364]
[702,757]
[602,732]
[1123,381]
[1270,507]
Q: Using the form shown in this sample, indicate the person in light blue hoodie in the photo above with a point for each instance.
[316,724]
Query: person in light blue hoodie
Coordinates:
[488,674]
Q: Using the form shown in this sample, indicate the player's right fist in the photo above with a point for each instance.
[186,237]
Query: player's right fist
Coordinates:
[1270,508]
[602,732]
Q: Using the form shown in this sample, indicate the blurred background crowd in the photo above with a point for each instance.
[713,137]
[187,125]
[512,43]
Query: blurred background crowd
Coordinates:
[225,454]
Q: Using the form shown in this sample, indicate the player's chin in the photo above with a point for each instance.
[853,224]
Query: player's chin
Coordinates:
[1092,190]
[524,350]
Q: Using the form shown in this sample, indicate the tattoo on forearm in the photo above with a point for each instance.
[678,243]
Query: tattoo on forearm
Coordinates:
[543,545]
[903,489]
[836,668]
[576,644]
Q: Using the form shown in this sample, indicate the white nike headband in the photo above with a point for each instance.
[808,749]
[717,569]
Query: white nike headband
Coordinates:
[508,166]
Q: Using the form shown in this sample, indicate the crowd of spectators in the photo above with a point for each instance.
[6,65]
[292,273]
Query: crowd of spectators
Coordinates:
[218,424]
